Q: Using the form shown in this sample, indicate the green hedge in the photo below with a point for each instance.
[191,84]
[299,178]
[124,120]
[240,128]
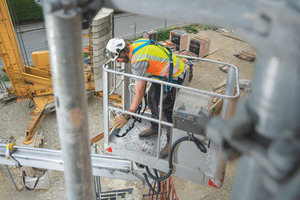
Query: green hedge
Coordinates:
[26,10]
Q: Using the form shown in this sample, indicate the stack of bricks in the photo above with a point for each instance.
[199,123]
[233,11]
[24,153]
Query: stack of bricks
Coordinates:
[179,39]
[169,43]
[199,46]
[150,34]
[102,28]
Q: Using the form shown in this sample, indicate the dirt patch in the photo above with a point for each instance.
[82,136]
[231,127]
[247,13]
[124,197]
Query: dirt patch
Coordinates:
[14,119]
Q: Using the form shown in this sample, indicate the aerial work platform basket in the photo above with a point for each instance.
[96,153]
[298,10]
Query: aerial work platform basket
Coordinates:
[191,107]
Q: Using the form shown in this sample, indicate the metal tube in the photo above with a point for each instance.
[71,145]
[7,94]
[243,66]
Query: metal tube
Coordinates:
[115,77]
[65,41]
[126,94]
[229,104]
[159,119]
[9,176]
[275,96]
[95,188]
[248,179]
[105,107]
[273,109]
[102,165]
[141,116]
[212,94]
[115,88]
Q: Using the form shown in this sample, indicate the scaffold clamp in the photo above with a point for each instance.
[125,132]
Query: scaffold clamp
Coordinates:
[8,154]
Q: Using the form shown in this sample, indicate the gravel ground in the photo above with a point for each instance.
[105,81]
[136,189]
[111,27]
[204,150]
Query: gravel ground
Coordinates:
[14,119]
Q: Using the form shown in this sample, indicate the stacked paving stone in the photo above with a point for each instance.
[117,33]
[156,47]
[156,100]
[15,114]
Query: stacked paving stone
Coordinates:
[103,26]
[179,39]
[150,34]
[199,46]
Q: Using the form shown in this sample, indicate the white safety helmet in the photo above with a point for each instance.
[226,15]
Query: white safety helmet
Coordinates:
[114,46]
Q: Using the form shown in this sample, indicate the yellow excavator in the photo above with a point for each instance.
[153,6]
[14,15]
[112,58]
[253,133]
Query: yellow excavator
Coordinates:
[35,82]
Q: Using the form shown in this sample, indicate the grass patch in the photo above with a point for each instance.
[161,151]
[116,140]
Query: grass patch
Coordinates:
[206,27]
[164,35]
[192,28]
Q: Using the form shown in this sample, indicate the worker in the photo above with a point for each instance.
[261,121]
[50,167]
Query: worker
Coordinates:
[148,59]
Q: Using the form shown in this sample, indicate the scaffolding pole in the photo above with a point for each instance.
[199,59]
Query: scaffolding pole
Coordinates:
[64,34]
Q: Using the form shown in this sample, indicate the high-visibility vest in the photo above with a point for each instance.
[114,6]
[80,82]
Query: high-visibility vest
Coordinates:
[157,57]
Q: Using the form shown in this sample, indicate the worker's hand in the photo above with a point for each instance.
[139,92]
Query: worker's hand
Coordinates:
[121,120]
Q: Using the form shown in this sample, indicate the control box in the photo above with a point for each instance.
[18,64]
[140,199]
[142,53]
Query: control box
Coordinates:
[191,111]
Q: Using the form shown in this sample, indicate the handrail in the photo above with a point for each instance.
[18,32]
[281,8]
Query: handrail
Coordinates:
[212,94]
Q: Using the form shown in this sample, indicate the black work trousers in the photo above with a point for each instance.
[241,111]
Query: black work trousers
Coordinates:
[168,104]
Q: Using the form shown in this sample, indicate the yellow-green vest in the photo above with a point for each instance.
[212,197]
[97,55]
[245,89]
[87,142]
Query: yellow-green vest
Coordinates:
[157,57]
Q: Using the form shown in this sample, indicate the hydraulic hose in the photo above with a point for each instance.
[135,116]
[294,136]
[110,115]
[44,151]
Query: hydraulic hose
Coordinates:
[149,185]
[136,119]
[199,145]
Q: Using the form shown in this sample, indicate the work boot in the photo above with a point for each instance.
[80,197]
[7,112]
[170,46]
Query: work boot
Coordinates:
[165,151]
[148,133]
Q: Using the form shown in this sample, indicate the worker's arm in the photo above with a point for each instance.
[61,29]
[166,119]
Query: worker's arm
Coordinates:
[138,69]
[140,91]
[121,120]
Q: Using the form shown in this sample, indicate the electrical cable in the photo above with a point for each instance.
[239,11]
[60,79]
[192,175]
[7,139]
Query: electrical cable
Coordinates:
[36,182]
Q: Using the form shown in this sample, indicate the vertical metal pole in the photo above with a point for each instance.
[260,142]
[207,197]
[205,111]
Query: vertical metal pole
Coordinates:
[126,93]
[165,24]
[229,104]
[273,107]
[65,42]
[275,95]
[134,30]
[160,119]
[115,76]
[105,107]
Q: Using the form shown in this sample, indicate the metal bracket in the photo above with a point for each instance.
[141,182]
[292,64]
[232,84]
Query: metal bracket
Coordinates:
[8,154]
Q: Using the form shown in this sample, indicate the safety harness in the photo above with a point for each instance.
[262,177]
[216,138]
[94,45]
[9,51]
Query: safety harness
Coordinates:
[168,52]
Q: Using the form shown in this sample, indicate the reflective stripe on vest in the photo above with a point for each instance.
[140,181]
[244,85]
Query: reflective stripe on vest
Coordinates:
[157,58]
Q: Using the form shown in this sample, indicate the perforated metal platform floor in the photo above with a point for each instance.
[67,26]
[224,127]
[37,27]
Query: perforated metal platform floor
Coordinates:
[133,142]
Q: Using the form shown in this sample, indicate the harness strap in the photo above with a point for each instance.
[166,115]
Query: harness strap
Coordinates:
[141,46]
[169,53]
